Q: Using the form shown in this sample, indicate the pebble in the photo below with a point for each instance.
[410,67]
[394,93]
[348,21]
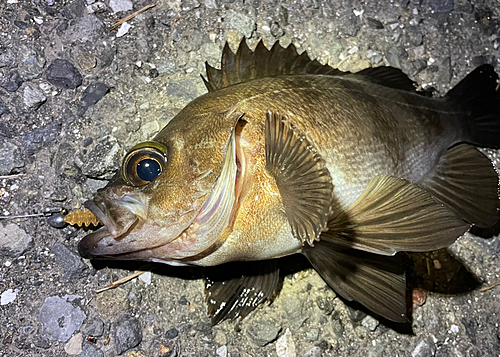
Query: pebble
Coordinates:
[62,74]
[3,108]
[14,241]
[91,95]
[262,332]
[314,352]
[120,5]
[424,348]
[171,333]
[123,29]
[104,160]
[355,314]
[12,81]
[395,55]
[10,158]
[7,58]
[74,345]
[337,327]
[442,6]
[222,351]
[370,323]
[8,296]
[95,328]
[240,22]
[376,351]
[374,23]
[86,61]
[128,334]
[71,264]
[89,350]
[41,137]
[294,309]
[32,67]
[33,97]
[285,347]
[60,319]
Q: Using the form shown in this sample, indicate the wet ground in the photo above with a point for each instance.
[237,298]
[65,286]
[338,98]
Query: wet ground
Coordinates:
[75,95]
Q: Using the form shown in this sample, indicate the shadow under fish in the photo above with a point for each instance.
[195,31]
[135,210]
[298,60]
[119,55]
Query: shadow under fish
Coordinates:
[285,155]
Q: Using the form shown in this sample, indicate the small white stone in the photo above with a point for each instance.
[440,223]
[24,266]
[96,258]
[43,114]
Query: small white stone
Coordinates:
[285,347]
[74,345]
[222,351]
[454,328]
[145,278]
[8,296]
[123,29]
[38,20]
[358,12]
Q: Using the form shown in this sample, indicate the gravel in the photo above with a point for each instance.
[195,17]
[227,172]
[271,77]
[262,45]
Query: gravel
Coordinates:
[74,98]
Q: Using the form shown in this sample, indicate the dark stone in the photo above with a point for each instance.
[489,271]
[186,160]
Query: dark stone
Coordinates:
[12,81]
[21,24]
[412,68]
[89,350]
[71,264]
[38,138]
[63,74]
[355,314]
[395,55]
[3,108]
[91,95]
[128,334]
[442,6]
[172,333]
[182,300]
[87,141]
[103,160]
[374,23]
[41,342]
[349,24]
[4,129]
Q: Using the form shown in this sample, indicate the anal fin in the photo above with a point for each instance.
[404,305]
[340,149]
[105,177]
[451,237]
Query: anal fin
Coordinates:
[394,215]
[466,181]
[235,289]
[304,182]
[375,281]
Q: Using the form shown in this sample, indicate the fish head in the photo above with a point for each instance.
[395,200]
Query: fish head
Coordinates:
[171,199]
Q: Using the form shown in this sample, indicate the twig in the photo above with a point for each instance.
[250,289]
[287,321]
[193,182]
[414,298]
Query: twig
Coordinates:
[129,17]
[11,176]
[121,281]
[489,287]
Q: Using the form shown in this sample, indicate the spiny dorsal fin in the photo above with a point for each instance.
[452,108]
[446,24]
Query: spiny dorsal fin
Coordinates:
[245,65]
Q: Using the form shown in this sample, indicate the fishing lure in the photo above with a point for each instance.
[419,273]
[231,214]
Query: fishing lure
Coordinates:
[77,217]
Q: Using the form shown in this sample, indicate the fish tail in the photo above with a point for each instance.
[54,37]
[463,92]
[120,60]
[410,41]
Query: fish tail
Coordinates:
[479,96]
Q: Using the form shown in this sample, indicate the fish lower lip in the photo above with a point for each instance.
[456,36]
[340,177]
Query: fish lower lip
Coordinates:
[88,245]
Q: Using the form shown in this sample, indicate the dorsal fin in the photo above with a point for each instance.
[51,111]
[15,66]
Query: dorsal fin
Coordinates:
[245,65]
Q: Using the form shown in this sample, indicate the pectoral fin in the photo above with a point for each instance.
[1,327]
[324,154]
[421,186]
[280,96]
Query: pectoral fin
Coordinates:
[239,288]
[304,182]
[394,215]
[375,281]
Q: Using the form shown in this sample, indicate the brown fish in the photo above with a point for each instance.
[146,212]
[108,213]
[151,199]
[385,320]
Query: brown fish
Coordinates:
[284,155]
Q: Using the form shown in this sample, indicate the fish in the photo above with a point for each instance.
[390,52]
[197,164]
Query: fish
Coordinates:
[284,155]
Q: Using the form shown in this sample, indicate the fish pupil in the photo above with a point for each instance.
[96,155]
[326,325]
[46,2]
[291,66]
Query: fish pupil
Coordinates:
[148,169]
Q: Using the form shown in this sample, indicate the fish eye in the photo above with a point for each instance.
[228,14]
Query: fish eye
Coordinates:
[144,163]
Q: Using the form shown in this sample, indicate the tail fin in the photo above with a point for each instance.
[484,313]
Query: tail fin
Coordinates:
[479,95]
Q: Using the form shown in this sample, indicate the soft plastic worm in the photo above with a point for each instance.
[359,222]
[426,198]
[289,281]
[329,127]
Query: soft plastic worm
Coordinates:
[81,218]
